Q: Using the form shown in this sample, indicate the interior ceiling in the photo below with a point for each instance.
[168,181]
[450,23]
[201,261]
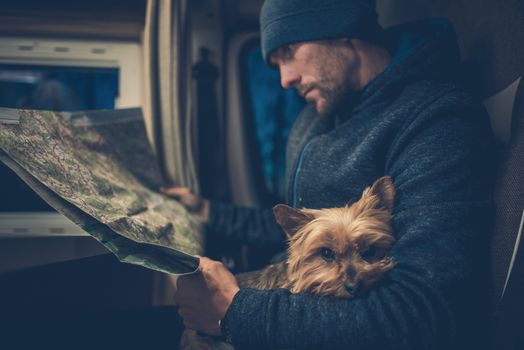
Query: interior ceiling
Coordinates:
[130,10]
[242,12]
[244,8]
[100,19]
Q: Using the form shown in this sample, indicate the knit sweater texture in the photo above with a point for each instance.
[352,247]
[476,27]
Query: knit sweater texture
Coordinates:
[414,123]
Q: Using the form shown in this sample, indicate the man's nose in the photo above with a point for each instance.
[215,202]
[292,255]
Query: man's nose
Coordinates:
[288,77]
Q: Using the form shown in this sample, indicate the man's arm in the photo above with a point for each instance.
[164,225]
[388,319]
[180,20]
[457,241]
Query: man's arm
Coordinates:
[253,226]
[437,291]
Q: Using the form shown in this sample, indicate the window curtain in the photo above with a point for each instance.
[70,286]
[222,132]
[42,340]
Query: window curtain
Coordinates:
[167,106]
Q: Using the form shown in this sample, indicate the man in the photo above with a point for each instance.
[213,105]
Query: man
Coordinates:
[381,102]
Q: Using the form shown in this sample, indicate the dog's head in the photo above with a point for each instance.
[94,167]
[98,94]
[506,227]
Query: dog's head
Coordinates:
[340,251]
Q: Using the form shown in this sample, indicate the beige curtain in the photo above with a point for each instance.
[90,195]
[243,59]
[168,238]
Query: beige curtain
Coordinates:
[167,107]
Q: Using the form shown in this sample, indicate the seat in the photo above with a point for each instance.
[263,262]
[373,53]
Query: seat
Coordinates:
[507,253]
[506,110]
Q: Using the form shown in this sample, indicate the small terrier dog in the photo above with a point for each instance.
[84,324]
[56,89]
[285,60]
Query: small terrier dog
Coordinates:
[340,252]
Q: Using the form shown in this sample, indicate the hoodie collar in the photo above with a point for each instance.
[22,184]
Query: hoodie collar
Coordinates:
[421,50]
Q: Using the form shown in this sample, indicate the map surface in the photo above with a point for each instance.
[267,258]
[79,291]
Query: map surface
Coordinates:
[97,168]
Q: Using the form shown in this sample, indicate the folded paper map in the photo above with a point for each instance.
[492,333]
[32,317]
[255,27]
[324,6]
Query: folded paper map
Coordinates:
[97,169]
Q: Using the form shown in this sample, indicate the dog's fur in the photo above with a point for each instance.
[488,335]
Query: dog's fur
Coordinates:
[338,252]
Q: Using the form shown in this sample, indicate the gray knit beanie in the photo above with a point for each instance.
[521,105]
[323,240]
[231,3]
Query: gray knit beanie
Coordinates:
[284,22]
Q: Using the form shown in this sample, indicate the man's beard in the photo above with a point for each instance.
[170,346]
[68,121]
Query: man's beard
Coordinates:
[336,100]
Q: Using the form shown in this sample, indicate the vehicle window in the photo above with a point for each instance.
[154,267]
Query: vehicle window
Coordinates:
[273,110]
[58,88]
[49,88]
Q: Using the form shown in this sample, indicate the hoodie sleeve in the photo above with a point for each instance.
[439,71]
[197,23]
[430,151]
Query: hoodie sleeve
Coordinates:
[253,226]
[435,295]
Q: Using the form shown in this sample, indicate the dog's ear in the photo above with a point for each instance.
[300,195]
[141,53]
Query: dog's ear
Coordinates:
[290,219]
[385,191]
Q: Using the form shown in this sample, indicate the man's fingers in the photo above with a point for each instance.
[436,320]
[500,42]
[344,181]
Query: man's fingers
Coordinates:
[186,286]
[183,312]
[175,191]
[189,325]
[207,265]
[182,290]
[187,317]
[204,260]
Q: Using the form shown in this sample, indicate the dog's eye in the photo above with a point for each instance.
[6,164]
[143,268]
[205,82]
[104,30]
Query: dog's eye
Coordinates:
[327,254]
[369,254]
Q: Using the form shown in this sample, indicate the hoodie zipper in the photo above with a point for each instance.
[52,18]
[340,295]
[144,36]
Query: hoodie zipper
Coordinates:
[293,188]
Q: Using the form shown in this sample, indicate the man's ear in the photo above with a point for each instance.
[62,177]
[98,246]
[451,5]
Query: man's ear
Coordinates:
[385,191]
[290,219]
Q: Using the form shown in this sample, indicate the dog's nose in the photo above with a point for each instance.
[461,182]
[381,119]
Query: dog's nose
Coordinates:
[352,288]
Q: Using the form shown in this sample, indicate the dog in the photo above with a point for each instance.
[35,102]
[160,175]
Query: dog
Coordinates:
[338,252]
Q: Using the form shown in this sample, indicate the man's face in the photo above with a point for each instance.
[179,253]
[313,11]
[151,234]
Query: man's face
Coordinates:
[324,72]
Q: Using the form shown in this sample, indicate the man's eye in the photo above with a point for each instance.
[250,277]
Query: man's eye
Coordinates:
[286,52]
[369,254]
[327,254]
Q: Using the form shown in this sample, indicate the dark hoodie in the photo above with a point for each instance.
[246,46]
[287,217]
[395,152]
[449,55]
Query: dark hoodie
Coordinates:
[413,123]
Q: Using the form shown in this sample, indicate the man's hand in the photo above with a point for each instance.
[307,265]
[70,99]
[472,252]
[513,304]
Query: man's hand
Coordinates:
[191,201]
[203,298]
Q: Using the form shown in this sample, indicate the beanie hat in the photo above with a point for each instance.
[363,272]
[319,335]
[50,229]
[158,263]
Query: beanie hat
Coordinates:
[284,22]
